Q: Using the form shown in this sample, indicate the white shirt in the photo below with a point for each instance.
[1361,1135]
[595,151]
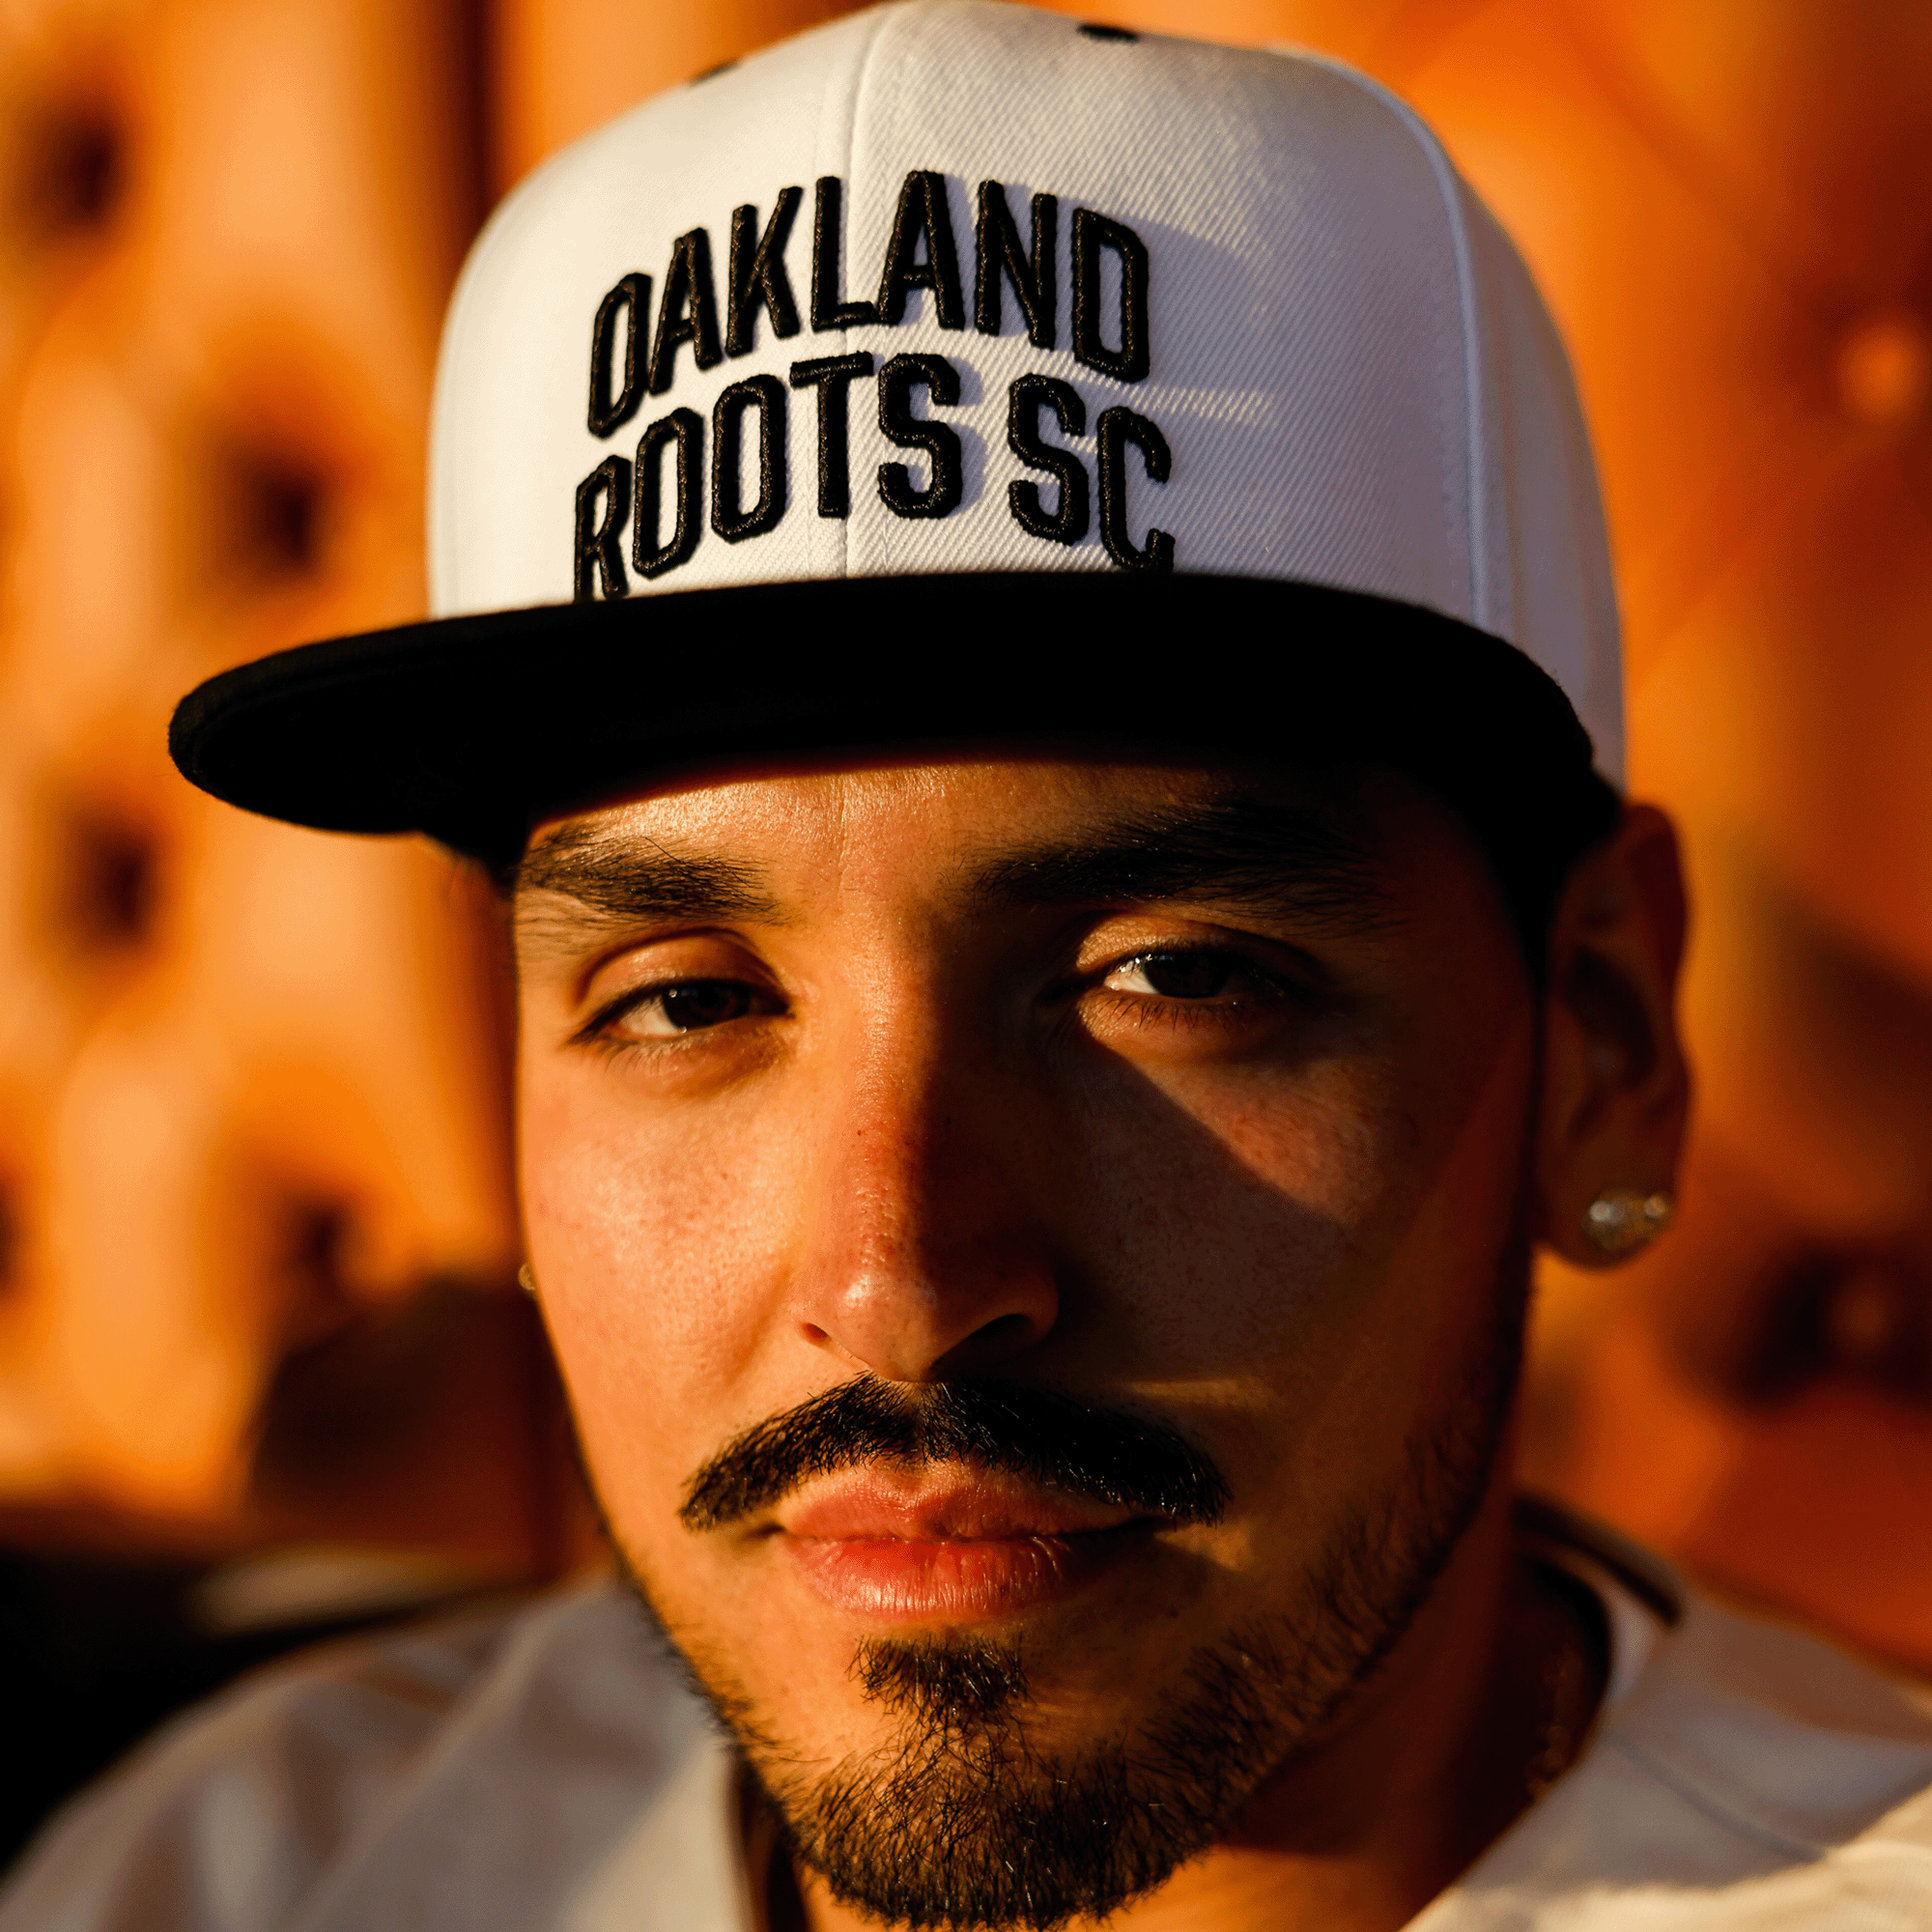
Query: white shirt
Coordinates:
[547,1770]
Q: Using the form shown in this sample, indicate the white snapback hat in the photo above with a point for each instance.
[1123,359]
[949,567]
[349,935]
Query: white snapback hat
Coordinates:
[958,369]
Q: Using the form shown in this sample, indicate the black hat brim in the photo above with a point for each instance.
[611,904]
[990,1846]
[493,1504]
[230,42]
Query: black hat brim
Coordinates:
[473,729]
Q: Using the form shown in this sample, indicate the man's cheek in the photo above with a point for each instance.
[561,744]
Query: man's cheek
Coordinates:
[1228,1213]
[659,1288]
[661,1241]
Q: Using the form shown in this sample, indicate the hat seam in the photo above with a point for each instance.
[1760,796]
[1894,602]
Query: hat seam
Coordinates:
[1448,184]
[882,17]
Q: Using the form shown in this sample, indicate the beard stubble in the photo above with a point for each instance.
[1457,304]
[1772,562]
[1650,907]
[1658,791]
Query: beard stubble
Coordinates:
[960,1822]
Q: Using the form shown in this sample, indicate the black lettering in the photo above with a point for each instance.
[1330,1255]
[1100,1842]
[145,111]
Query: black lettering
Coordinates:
[833,376]
[767,395]
[997,250]
[686,429]
[829,310]
[598,553]
[687,312]
[1093,233]
[1117,427]
[758,274]
[940,380]
[924,213]
[632,299]
[1025,400]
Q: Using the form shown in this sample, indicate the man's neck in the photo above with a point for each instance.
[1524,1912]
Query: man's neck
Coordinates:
[1486,1697]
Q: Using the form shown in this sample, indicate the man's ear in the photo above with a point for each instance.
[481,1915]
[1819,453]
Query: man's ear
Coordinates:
[1615,1087]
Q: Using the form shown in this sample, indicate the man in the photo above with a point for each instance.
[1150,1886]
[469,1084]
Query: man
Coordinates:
[1070,945]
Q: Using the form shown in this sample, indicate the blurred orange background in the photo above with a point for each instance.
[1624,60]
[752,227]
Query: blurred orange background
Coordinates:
[258,1323]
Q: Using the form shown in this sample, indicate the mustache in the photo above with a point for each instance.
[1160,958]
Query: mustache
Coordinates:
[1058,1441]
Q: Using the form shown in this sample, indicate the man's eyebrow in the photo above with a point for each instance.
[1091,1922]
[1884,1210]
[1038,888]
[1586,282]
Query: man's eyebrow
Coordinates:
[618,878]
[1293,862]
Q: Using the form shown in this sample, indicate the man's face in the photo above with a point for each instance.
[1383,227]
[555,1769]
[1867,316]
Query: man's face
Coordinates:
[1025,1240]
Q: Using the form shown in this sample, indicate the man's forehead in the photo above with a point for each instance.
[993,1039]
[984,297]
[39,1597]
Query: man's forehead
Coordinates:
[986,830]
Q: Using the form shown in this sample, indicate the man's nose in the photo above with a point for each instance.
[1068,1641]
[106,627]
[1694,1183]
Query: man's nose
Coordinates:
[925,1254]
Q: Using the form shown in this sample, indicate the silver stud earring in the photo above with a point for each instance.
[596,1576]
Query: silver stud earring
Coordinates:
[1621,1220]
[526,1280]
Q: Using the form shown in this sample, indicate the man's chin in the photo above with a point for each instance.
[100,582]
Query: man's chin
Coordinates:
[984,1799]
[1039,1688]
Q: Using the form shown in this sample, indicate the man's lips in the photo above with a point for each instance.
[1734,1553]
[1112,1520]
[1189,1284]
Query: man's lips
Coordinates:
[946,1549]
[940,1507]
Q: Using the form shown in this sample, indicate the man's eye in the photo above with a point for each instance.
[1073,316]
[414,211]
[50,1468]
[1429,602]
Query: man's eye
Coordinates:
[688,1006]
[1182,975]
